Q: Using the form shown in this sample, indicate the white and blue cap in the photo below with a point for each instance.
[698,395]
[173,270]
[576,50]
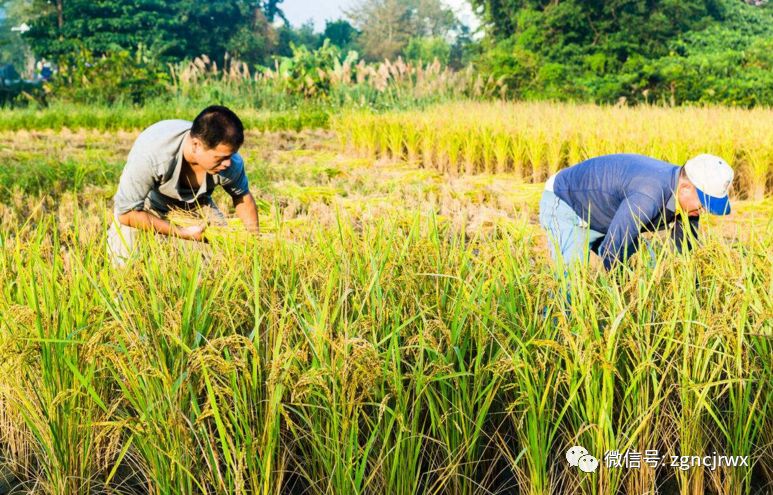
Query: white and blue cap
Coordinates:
[711,177]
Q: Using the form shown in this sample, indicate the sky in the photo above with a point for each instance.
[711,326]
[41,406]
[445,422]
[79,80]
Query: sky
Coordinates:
[300,11]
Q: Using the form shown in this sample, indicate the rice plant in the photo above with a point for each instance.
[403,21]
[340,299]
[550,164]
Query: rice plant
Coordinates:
[372,341]
[544,137]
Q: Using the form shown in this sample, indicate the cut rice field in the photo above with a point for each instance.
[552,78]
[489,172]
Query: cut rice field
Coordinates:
[393,330]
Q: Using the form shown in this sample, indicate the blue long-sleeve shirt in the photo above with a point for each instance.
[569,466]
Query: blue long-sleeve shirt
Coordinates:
[621,196]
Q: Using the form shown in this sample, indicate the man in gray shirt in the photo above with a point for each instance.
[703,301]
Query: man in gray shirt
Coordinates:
[176,164]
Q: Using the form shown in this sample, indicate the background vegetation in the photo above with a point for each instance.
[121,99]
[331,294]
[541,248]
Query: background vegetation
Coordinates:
[670,52]
[664,52]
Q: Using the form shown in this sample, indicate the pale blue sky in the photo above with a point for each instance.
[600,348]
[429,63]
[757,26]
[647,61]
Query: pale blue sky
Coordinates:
[300,11]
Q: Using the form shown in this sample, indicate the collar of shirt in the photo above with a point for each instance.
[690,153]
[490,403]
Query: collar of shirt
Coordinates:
[174,188]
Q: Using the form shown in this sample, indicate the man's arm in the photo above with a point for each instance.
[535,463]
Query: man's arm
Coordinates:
[247,211]
[622,238]
[685,232]
[143,220]
[138,178]
[234,181]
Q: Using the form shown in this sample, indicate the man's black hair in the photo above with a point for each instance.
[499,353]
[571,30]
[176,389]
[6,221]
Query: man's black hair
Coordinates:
[218,125]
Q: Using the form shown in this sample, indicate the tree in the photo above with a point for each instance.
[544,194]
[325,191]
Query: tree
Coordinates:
[271,10]
[574,28]
[12,47]
[340,33]
[60,28]
[171,29]
[428,49]
[208,27]
[387,26]
[642,50]
[303,36]
[255,42]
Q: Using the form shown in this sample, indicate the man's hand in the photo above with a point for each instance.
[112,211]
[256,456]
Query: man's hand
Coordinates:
[143,220]
[191,233]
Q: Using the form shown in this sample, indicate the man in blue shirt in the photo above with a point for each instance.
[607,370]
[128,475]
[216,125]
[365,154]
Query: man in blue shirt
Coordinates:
[604,203]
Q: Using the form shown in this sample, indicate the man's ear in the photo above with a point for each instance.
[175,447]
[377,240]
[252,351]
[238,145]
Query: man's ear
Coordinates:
[196,143]
[684,183]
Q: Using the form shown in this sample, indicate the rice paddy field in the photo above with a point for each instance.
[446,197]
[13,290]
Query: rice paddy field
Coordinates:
[394,328]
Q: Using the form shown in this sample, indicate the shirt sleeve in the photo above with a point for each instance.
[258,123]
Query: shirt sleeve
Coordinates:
[137,180]
[234,178]
[684,239]
[622,238]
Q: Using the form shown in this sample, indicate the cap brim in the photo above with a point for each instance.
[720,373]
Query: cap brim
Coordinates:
[714,205]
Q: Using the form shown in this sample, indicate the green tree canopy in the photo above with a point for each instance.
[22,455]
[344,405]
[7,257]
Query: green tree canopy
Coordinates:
[169,28]
[304,35]
[340,33]
[616,28]
[428,49]
[636,50]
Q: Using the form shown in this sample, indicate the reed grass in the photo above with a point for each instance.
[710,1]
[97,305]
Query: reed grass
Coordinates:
[350,82]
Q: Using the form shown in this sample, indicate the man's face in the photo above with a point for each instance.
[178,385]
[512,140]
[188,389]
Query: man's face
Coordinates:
[688,199]
[213,160]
